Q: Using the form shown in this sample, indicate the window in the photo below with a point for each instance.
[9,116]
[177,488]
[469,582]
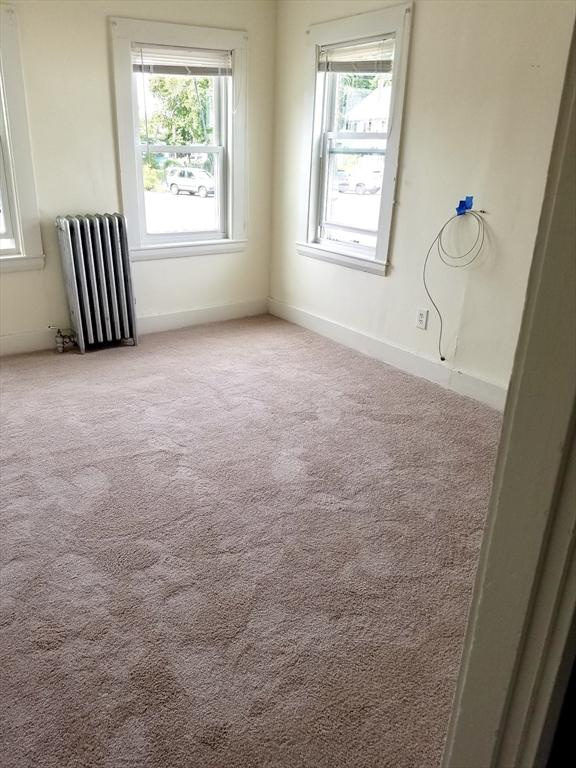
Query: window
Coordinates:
[180,94]
[20,241]
[360,73]
[358,86]
[9,241]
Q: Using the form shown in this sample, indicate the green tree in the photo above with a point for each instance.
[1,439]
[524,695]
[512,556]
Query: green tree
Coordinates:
[185,113]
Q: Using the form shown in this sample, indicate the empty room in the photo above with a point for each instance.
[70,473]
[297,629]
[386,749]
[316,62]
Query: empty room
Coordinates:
[287,336]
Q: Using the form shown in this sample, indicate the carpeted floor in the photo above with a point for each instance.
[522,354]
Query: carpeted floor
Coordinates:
[236,546]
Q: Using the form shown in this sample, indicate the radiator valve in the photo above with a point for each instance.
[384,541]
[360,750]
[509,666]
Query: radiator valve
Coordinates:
[64,338]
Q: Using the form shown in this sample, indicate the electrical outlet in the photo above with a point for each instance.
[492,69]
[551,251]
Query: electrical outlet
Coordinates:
[422,319]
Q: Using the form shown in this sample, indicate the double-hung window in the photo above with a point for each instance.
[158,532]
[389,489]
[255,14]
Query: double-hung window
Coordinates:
[180,98]
[9,240]
[360,73]
[20,240]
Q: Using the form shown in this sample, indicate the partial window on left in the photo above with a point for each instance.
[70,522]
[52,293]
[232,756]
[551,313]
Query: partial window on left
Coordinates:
[20,238]
[9,240]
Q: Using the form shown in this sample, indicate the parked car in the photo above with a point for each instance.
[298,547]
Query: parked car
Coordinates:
[194,181]
[365,184]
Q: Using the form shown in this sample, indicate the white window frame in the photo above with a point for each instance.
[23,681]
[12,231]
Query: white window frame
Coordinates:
[233,162]
[7,194]
[394,20]
[19,188]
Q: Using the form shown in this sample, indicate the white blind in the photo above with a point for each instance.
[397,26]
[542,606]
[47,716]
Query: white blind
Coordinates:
[374,55]
[163,60]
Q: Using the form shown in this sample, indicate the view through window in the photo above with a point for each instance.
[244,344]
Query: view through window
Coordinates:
[182,97]
[357,98]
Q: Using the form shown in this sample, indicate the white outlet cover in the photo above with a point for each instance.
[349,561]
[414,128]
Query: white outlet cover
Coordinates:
[422,319]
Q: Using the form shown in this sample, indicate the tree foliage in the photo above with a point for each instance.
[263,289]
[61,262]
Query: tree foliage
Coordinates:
[184,116]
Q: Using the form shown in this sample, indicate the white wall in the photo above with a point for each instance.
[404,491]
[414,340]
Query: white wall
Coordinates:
[484,85]
[519,644]
[67,72]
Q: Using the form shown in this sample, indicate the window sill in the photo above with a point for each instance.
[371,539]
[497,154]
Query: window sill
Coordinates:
[200,248]
[316,251]
[21,263]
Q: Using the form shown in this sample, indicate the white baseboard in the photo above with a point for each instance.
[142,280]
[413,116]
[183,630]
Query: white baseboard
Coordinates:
[27,341]
[463,383]
[174,320]
[36,341]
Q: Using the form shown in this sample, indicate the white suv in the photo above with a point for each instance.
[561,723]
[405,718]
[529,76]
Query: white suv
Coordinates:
[195,181]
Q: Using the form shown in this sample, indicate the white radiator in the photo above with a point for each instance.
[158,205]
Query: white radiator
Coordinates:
[94,250]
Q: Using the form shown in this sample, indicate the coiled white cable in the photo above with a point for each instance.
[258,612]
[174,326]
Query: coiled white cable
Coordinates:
[454,260]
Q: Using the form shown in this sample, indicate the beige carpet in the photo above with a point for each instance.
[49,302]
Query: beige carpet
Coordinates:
[235,546]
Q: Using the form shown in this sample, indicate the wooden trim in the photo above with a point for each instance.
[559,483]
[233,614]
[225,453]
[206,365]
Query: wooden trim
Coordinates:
[317,251]
[182,251]
[21,263]
[191,317]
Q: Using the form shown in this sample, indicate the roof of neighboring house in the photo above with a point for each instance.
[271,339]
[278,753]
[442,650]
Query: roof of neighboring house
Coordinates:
[374,107]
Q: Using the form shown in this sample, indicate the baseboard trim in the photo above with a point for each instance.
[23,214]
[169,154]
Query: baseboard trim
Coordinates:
[27,341]
[37,341]
[463,383]
[174,320]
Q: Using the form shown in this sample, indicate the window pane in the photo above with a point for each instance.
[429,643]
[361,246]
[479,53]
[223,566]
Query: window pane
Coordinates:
[7,245]
[354,186]
[3,224]
[363,102]
[181,192]
[7,239]
[175,109]
[348,237]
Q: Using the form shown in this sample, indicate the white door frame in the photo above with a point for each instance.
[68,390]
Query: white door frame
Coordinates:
[520,636]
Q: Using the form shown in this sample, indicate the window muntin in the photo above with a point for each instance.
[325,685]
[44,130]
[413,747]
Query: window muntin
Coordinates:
[356,83]
[182,107]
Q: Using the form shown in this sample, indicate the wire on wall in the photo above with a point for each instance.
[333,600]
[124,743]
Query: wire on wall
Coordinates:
[457,260]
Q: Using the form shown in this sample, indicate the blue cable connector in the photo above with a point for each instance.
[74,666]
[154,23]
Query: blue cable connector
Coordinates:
[465,205]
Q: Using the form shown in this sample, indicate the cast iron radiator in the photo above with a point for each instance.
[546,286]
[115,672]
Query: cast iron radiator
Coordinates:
[94,250]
